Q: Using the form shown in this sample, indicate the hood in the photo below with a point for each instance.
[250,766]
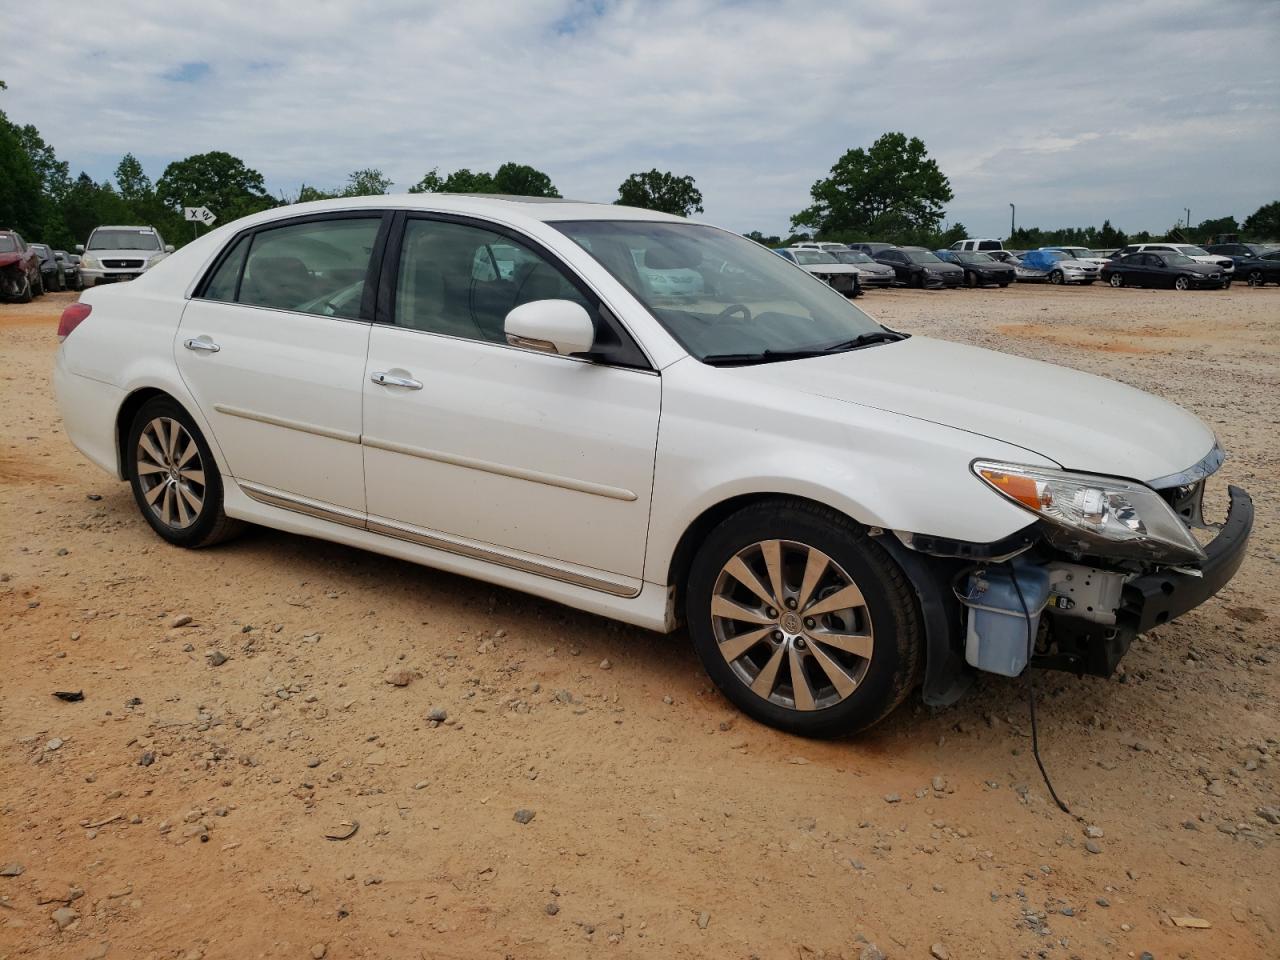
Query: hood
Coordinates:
[942,266]
[1075,419]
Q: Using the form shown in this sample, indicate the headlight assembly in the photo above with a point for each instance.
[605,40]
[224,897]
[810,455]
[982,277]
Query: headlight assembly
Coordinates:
[90,262]
[1090,514]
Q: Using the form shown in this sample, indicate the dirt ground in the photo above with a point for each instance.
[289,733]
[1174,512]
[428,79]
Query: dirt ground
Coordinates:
[185,810]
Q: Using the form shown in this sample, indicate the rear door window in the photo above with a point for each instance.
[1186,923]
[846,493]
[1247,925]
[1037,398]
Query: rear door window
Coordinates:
[318,266]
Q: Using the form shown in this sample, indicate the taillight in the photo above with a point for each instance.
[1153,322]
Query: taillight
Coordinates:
[71,318]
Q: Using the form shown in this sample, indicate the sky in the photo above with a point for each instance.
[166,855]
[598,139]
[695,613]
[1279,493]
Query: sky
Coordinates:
[1073,110]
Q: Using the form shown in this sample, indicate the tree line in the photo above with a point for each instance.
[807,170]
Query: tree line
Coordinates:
[892,191]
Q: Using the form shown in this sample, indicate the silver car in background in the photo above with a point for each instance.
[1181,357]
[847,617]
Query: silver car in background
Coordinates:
[870,273]
[120,253]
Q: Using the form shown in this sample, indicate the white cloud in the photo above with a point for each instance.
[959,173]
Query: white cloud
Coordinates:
[1074,111]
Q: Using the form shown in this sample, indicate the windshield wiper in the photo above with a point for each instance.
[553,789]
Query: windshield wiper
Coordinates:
[771,356]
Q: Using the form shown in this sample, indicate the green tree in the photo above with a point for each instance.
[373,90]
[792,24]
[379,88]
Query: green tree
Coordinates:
[1109,237]
[132,181]
[369,182]
[522,180]
[1263,223]
[216,180]
[55,174]
[662,191]
[431,182]
[893,188]
[21,188]
[464,181]
[769,241]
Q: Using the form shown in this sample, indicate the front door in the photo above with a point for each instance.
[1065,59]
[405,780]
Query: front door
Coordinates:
[273,350]
[532,460]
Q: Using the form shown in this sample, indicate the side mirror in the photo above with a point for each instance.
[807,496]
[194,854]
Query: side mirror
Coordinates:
[79,248]
[168,248]
[552,326]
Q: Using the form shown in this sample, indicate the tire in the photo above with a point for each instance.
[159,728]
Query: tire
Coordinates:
[917,281]
[971,279]
[1116,281]
[25,295]
[1057,277]
[38,289]
[850,684]
[192,520]
[1003,284]
[1226,284]
[1182,283]
[1256,278]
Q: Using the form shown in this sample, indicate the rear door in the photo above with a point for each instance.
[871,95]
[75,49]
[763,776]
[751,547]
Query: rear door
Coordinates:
[273,348]
[530,460]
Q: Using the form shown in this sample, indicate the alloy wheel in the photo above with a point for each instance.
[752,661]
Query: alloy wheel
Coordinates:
[170,472]
[1255,278]
[792,625]
[1181,283]
[1117,280]
[1056,277]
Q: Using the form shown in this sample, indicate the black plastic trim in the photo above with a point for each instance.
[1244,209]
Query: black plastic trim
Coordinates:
[1157,598]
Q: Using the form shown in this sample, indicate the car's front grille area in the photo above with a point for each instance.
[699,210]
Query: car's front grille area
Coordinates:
[122,264]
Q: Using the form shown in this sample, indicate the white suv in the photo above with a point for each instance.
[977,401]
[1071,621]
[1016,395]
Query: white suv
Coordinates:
[120,253]
[978,246]
[837,512]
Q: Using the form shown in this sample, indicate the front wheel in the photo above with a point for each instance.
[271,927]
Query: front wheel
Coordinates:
[802,620]
[1182,283]
[25,293]
[1255,278]
[971,279]
[1057,277]
[174,477]
[1116,280]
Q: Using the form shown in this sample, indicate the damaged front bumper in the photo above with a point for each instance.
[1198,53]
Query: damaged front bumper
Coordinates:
[1074,633]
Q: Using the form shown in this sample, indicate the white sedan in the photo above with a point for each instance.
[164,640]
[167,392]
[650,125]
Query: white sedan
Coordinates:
[836,511]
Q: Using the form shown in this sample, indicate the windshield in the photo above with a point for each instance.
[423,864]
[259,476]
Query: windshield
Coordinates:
[41,249]
[749,300]
[809,257]
[1189,250]
[123,240]
[852,256]
[1057,255]
[921,256]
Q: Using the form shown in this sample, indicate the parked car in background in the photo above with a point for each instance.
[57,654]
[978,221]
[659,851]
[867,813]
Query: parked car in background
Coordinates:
[1083,254]
[50,269]
[1237,250]
[837,512]
[1259,270]
[978,245]
[1171,270]
[873,249]
[980,269]
[870,273]
[1056,267]
[659,278]
[840,276]
[19,268]
[830,246]
[120,253]
[1199,254]
[70,264]
[918,267]
[1020,271]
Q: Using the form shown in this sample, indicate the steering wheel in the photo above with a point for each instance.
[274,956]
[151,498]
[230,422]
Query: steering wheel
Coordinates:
[735,308]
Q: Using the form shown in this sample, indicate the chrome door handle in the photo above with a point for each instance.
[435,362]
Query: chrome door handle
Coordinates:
[198,343]
[387,380]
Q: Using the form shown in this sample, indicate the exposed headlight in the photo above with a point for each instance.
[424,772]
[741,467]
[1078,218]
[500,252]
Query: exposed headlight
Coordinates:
[1095,514]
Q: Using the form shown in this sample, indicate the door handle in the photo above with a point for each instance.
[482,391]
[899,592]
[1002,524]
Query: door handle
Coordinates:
[387,380]
[201,343]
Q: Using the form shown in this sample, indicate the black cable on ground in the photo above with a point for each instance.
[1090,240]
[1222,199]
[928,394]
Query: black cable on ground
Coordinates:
[1031,694]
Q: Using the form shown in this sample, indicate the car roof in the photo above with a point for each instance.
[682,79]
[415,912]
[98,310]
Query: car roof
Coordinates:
[546,209]
[124,226]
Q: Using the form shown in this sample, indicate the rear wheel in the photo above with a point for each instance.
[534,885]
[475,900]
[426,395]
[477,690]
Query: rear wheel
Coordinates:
[1182,283]
[1116,280]
[175,480]
[1004,283]
[38,290]
[1256,278]
[802,621]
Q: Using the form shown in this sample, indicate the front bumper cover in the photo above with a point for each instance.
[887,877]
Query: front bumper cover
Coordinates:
[1156,598]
